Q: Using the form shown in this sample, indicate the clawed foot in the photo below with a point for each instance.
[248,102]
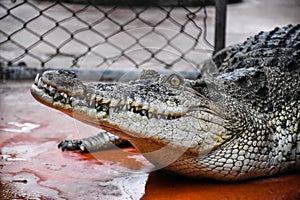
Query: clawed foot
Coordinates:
[101,141]
[71,145]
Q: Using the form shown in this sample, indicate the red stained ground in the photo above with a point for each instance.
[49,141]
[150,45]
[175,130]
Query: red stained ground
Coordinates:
[33,168]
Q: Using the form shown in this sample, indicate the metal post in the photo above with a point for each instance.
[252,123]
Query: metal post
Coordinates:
[220,24]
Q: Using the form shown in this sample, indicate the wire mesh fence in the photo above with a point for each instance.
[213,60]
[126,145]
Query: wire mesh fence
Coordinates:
[84,34]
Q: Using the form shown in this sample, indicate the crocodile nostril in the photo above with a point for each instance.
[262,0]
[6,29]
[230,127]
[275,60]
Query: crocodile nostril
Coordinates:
[67,73]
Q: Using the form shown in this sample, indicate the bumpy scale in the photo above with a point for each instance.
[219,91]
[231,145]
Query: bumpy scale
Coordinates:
[240,120]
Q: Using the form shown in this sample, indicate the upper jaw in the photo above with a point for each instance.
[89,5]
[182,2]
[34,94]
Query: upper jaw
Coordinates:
[63,81]
[61,91]
[49,94]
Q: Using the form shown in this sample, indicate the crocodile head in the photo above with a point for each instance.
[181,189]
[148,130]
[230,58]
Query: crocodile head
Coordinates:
[152,112]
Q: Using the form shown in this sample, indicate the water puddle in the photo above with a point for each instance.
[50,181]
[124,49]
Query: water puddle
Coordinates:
[17,127]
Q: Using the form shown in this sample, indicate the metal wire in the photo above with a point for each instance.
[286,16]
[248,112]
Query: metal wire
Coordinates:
[60,34]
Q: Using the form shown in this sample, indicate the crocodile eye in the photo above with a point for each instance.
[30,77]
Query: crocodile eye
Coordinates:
[175,80]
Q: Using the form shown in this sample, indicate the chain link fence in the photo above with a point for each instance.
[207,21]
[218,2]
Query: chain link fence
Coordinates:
[60,34]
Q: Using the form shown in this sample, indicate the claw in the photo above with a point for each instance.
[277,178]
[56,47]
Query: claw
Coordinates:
[70,145]
[82,148]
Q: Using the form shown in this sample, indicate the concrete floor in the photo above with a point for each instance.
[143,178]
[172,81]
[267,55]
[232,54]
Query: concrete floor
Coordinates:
[33,168]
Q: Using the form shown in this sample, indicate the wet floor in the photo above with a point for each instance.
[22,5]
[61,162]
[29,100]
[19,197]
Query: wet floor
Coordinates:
[33,168]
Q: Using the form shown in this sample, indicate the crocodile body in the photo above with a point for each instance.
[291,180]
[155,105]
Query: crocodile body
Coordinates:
[240,120]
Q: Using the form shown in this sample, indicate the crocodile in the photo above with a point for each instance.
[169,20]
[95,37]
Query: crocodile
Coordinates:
[239,120]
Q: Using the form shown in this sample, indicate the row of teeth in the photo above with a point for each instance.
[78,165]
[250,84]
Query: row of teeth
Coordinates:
[98,105]
[51,91]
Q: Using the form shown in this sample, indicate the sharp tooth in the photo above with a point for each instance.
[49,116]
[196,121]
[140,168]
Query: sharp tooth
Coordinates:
[65,96]
[91,100]
[36,80]
[56,95]
[70,100]
[40,83]
[52,91]
[51,88]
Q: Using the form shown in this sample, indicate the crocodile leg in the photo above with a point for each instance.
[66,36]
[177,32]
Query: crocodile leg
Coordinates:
[102,140]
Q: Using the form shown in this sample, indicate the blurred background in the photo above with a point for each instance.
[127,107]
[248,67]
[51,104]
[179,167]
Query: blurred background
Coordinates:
[177,34]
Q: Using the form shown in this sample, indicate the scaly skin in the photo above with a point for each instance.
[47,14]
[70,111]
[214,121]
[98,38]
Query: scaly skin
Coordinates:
[239,121]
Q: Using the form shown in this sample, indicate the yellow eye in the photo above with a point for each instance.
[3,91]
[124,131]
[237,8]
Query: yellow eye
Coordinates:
[175,80]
